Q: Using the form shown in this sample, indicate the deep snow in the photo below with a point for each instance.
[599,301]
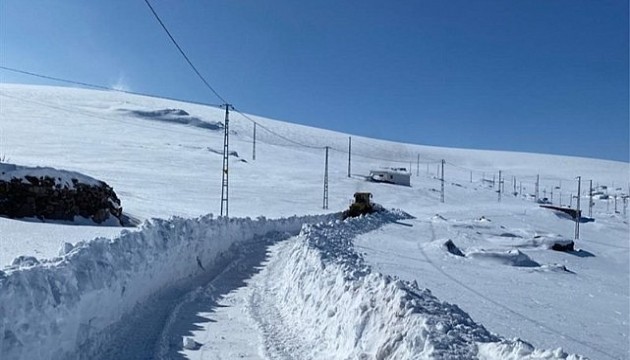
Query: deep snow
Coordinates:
[50,310]
[161,167]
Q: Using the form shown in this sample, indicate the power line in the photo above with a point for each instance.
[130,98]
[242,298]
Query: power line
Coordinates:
[157,17]
[278,135]
[100,87]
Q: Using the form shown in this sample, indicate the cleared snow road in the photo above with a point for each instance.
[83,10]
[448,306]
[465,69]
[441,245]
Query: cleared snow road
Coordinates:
[234,315]
[212,313]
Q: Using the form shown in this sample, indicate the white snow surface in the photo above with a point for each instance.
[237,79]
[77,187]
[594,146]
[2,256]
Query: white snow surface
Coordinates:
[51,309]
[355,313]
[384,286]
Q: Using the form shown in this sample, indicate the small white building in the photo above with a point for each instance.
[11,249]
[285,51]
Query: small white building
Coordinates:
[398,176]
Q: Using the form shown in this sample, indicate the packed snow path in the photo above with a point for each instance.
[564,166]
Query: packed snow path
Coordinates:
[234,316]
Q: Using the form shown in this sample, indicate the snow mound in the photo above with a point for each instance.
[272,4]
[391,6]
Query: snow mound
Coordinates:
[175,116]
[511,257]
[49,309]
[517,349]
[354,312]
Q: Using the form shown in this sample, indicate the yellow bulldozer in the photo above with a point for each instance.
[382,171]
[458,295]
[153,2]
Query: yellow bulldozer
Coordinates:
[362,205]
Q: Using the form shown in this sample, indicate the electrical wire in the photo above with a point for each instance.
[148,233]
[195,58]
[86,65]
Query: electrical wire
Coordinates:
[100,87]
[278,135]
[181,51]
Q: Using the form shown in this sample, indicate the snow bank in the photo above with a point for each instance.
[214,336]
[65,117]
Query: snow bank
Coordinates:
[63,178]
[354,312]
[512,257]
[49,309]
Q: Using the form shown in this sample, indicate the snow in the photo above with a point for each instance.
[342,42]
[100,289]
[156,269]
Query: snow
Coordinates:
[65,303]
[62,178]
[387,285]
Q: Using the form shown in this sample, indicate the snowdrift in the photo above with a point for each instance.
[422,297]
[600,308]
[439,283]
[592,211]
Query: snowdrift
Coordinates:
[50,309]
[356,313]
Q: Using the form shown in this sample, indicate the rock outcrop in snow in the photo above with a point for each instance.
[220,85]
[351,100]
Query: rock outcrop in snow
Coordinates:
[52,194]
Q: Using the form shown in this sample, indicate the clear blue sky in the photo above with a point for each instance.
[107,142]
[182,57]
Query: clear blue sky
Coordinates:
[547,76]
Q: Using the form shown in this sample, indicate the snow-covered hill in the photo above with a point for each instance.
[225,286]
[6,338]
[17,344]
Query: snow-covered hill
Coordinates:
[163,159]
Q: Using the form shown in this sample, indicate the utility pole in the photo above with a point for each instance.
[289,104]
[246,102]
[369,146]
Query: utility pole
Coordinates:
[254,146]
[418,166]
[537,185]
[349,153]
[226,152]
[442,178]
[578,212]
[325,204]
[590,199]
[471,177]
[514,185]
[499,186]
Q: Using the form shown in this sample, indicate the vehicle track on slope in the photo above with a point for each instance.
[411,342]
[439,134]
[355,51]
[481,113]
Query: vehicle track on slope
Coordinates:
[502,306]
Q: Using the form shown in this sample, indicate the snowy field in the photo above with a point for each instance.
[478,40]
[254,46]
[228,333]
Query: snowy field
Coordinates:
[473,277]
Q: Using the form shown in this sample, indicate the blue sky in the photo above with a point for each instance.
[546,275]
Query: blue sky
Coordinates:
[547,76]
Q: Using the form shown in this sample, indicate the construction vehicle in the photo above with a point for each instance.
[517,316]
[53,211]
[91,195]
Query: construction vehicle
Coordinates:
[362,205]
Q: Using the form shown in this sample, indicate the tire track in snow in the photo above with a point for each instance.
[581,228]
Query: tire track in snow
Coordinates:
[279,341]
[504,307]
[216,315]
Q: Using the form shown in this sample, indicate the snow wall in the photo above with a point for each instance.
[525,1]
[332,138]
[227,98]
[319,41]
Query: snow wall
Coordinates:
[50,309]
[356,313]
